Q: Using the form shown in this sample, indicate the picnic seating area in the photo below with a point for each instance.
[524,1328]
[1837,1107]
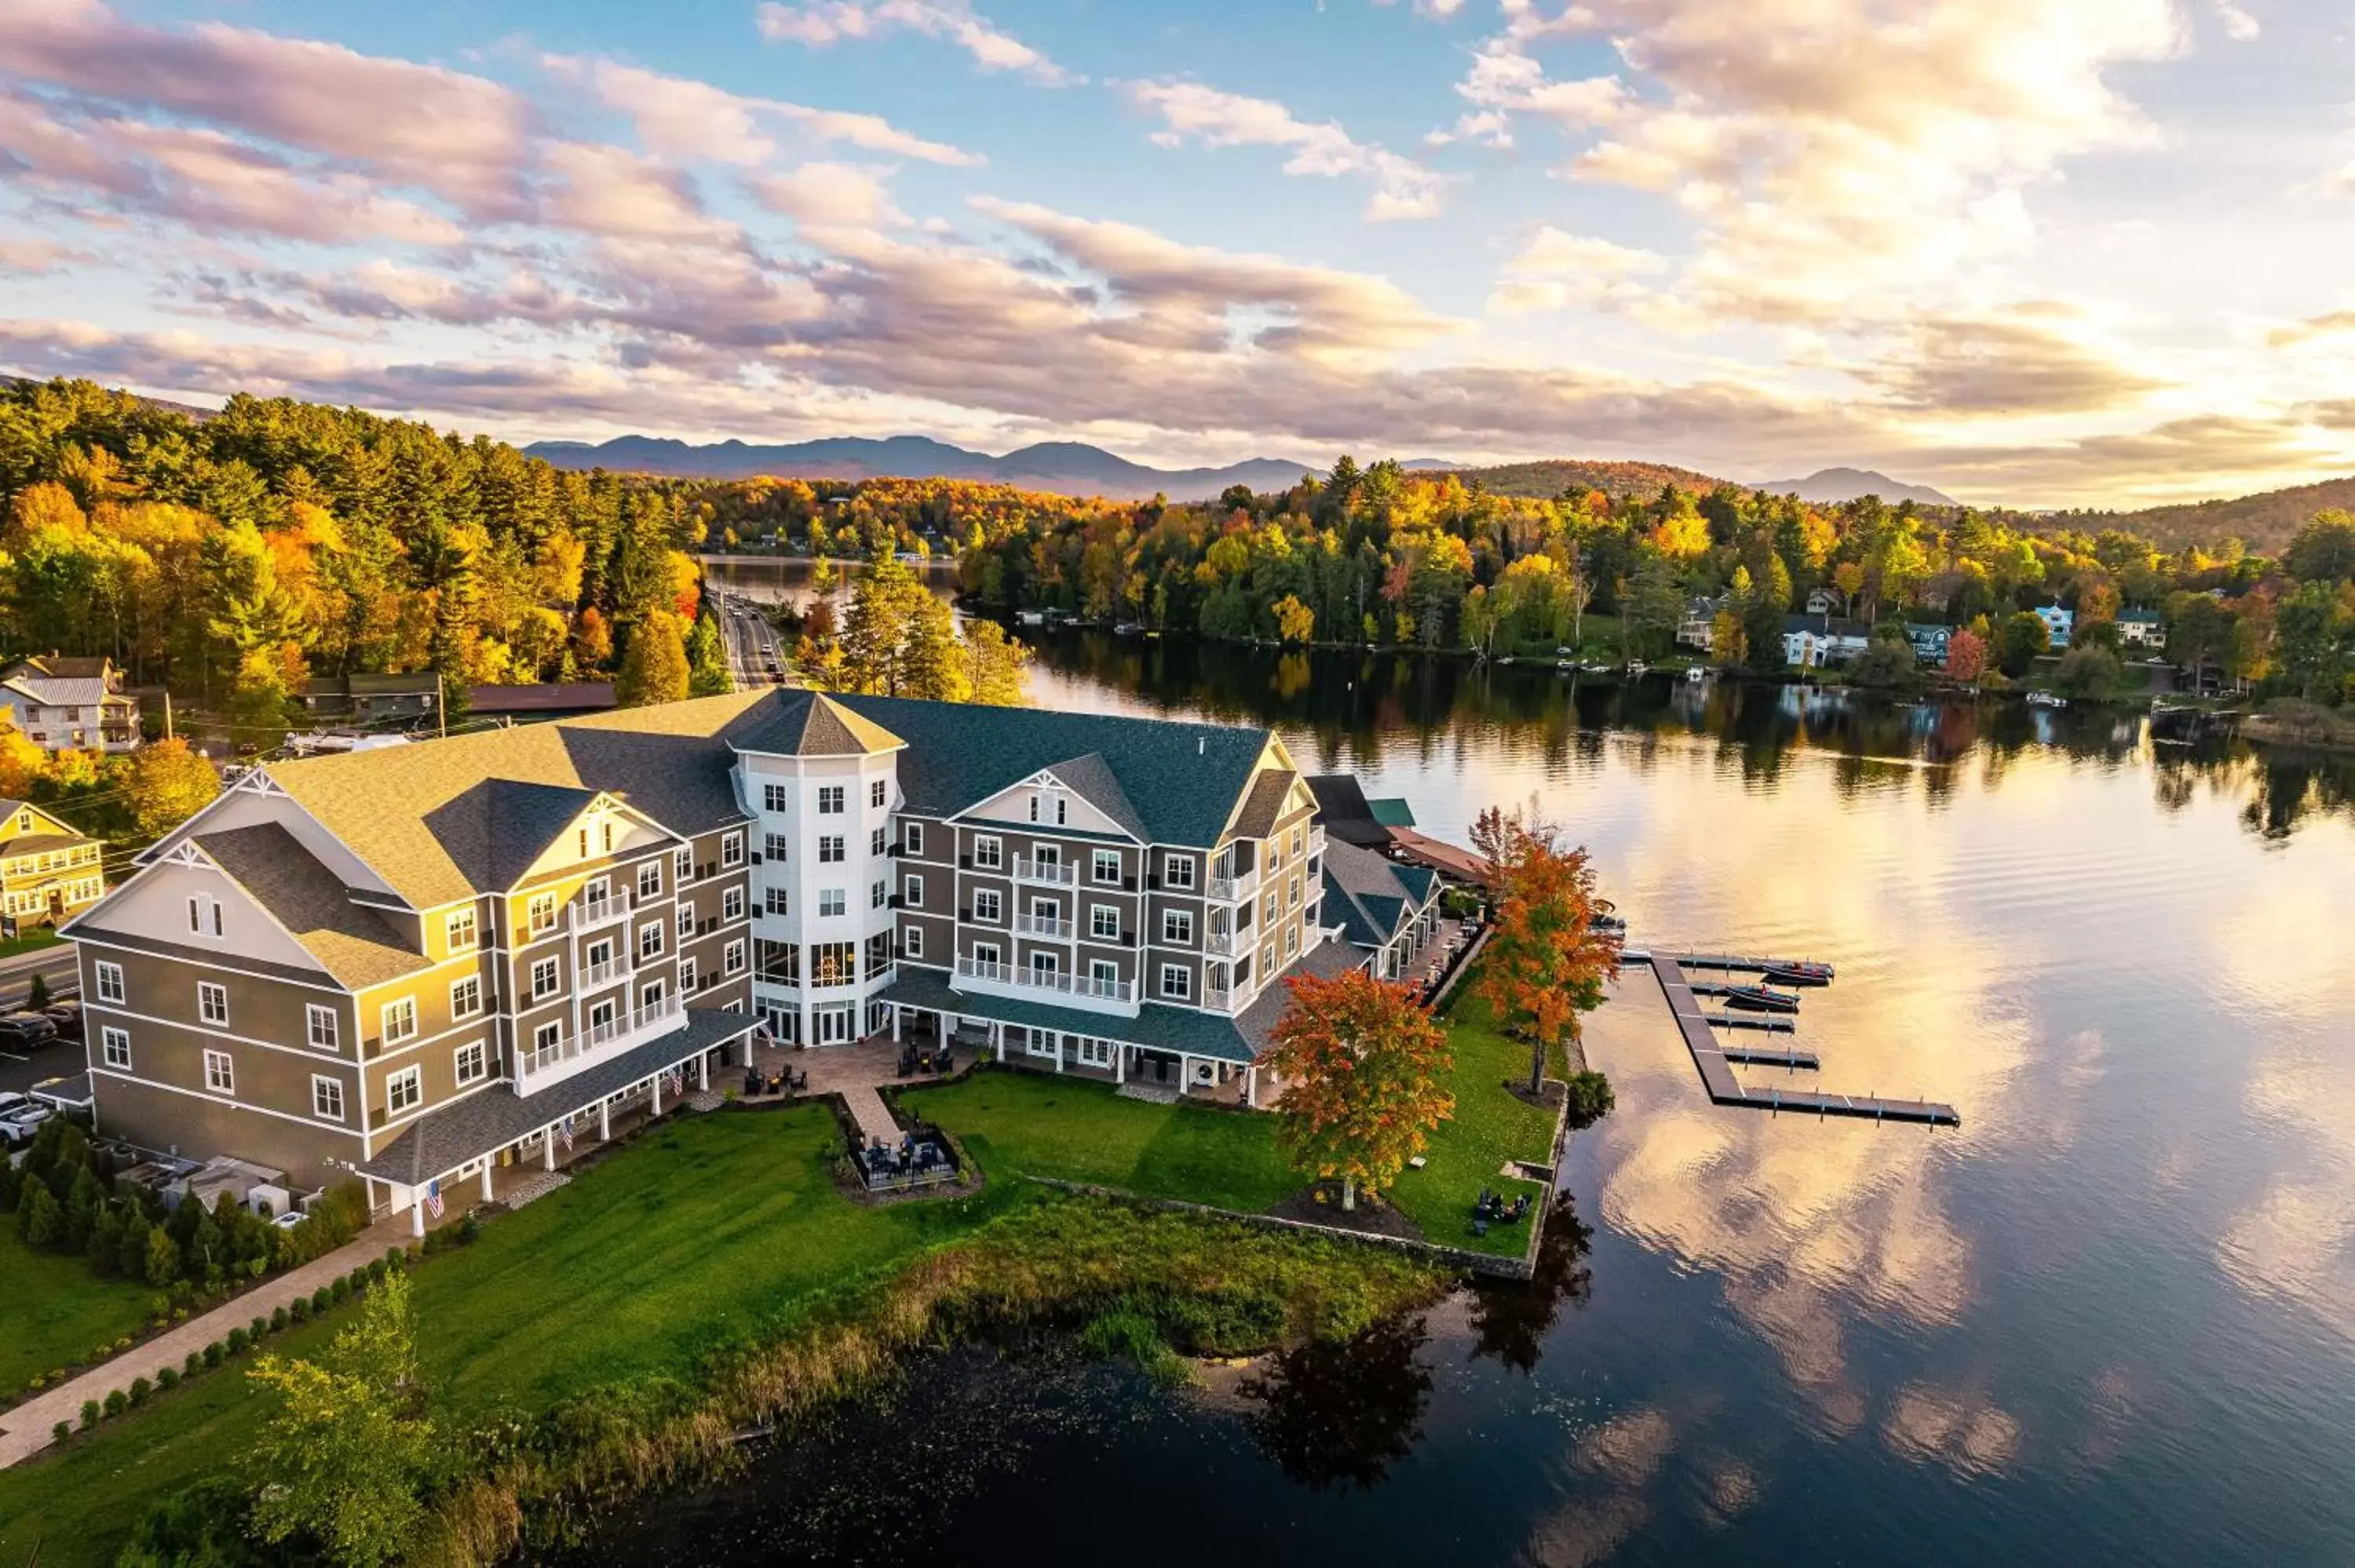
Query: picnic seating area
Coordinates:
[921,1158]
[1449,946]
[1493,1210]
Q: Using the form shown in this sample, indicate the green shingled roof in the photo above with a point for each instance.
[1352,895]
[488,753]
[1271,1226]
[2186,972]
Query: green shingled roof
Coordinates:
[1182,779]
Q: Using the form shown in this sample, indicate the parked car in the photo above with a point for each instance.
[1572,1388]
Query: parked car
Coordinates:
[290,1218]
[24,1031]
[19,1125]
[66,1016]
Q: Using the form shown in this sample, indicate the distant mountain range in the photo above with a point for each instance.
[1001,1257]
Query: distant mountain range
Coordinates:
[1063,467]
[1831,485]
[2264,522]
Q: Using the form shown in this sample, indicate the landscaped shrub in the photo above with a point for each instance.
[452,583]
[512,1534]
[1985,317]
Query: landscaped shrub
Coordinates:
[141,1388]
[395,1257]
[236,1341]
[61,1431]
[258,1330]
[375,1272]
[194,1364]
[323,1298]
[1591,1098]
[299,1310]
[38,1383]
[277,1320]
[213,1354]
[89,1414]
[340,1289]
[167,1377]
[117,1402]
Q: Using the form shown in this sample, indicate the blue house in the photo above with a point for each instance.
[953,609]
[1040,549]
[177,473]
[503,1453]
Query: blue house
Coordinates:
[1929,641]
[2058,622]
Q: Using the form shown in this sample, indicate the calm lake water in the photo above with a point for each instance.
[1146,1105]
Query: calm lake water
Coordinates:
[2110,1319]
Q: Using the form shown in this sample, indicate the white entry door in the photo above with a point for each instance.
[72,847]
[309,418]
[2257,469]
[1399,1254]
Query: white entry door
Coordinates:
[835,1025]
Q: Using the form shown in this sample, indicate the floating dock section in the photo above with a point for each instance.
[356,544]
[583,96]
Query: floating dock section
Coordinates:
[1712,1060]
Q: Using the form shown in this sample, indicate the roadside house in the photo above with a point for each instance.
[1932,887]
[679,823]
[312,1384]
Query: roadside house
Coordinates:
[49,870]
[70,705]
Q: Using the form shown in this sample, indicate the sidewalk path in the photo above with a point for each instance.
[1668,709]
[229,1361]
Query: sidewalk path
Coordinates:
[24,1428]
[874,1119]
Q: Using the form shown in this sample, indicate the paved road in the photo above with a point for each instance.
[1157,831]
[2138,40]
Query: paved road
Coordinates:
[755,657]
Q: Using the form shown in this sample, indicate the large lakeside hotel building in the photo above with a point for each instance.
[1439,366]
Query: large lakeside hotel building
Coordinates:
[413,964]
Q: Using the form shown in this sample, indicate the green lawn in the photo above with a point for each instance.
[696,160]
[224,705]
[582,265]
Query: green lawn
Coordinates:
[54,1312]
[38,937]
[1078,1130]
[714,1228]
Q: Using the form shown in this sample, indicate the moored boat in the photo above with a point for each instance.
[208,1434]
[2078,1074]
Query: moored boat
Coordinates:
[1802,972]
[1761,998]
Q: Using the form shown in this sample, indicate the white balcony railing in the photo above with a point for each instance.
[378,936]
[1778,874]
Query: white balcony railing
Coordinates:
[1218,999]
[1234,889]
[1039,925]
[595,913]
[1053,873]
[1224,942]
[1044,985]
[539,1066]
[605,973]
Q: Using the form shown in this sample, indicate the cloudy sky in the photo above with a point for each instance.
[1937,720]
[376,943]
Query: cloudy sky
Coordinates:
[2042,251]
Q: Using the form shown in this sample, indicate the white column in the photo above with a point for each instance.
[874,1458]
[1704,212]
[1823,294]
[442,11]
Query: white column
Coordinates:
[654,1086]
[1250,1087]
[1058,1050]
[547,1149]
[604,1121]
[895,1024]
[703,1072]
[417,1211]
[486,1178]
[1119,1063]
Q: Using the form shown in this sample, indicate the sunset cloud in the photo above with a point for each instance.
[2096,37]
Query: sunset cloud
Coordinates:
[1191,112]
[829,22]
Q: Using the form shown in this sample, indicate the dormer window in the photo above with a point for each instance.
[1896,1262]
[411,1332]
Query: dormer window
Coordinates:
[204,915]
[461,931]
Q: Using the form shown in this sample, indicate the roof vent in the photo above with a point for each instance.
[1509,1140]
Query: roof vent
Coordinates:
[1201,745]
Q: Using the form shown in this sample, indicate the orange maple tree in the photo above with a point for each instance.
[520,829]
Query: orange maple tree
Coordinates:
[1546,960]
[1364,1068]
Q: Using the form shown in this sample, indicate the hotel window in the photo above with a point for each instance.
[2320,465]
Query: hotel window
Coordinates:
[219,1076]
[606,833]
[912,837]
[115,1043]
[774,847]
[472,1061]
[319,1027]
[732,850]
[650,879]
[1177,927]
[1295,896]
[1299,840]
[1106,866]
[1104,976]
[829,799]
[682,867]
[912,941]
[731,957]
[1291,941]
[650,939]
[1092,1052]
[400,1020]
[988,855]
[731,903]
[542,916]
[1177,981]
[212,1002]
[832,901]
[544,980]
[875,794]
[1177,871]
[466,997]
[874,841]
[830,849]
[880,894]
[911,892]
[776,798]
[986,954]
[773,899]
[545,1038]
[685,976]
[987,905]
[327,1098]
[204,915]
[404,1089]
[1103,921]
[1267,960]
[686,922]
[460,930]
[110,981]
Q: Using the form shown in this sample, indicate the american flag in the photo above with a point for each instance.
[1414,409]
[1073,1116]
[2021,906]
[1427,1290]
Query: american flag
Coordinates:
[567,1130]
[433,1198]
[678,1081]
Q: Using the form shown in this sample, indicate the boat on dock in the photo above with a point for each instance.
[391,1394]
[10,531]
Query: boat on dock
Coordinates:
[1802,972]
[2047,700]
[1759,999]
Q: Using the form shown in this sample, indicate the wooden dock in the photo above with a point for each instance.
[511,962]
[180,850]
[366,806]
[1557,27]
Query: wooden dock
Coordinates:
[1726,963]
[1761,1025]
[1712,1060]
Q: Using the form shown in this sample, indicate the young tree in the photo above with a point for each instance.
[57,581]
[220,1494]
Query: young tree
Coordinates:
[165,785]
[2022,640]
[1362,1065]
[653,668]
[1966,656]
[706,658]
[1295,621]
[258,700]
[1546,962]
[343,1457]
[994,664]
